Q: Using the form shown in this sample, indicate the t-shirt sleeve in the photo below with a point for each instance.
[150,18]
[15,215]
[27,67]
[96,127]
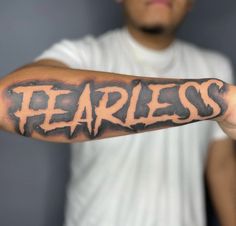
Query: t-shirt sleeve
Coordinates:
[224,71]
[74,53]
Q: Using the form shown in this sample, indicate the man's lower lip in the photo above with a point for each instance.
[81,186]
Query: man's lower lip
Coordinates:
[160,2]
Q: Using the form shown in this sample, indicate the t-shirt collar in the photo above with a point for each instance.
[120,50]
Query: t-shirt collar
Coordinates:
[162,58]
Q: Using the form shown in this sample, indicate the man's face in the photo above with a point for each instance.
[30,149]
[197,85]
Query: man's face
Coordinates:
[151,14]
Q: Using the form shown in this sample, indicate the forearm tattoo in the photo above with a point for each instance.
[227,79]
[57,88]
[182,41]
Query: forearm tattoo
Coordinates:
[92,108]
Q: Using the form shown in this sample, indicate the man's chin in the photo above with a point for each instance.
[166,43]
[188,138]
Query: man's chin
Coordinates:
[153,30]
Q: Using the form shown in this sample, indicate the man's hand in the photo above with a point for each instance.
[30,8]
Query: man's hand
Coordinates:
[228,121]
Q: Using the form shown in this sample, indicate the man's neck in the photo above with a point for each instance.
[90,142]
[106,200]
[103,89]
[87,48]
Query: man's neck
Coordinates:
[156,42]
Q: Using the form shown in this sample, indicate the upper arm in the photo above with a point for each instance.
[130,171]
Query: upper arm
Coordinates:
[220,155]
[47,62]
[43,62]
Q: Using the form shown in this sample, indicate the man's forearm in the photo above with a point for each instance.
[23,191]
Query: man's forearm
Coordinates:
[68,105]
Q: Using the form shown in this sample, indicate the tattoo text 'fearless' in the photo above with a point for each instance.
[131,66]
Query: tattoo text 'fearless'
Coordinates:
[92,108]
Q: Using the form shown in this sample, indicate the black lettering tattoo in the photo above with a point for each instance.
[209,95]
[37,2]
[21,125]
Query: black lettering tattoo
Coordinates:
[53,107]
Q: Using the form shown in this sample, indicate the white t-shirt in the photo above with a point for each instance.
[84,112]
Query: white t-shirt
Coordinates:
[154,178]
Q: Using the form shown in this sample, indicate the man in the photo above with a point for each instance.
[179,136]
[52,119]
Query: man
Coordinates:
[153,178]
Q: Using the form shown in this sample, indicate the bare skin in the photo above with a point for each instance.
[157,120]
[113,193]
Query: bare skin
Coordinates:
[147,15]
[220,174]
[82,105]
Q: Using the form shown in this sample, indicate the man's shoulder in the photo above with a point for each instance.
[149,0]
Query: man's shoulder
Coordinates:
[111,35]
[208,61]
[209,55]
[91,40]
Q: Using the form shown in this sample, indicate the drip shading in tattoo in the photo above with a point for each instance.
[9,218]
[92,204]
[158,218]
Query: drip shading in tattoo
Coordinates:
[53,107]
